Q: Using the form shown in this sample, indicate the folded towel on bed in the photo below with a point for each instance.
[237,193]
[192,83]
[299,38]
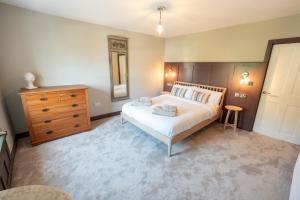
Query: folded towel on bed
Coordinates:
[169,108]
[143,101]
[159,110]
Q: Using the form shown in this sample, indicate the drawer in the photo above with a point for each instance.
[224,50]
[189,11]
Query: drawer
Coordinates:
[42,98]
[72,94]
[66,102]
[54,116]
[57,124]
[74,127]
[55,110]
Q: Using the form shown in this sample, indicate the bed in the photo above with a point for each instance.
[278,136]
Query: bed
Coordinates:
[191,116]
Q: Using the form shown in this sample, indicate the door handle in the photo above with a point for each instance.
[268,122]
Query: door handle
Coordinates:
[269,93]
[265,92]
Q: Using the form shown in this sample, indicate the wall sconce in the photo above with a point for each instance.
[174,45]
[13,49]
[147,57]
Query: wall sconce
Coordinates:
[245,79]
[170,73]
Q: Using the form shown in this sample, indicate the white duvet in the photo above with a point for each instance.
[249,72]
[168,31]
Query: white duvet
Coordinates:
[189,113]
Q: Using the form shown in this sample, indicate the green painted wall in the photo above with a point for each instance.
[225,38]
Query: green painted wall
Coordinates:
[246,42]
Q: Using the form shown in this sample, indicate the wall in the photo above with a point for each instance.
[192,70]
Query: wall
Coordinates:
[62,52]
[243,43]
[5,124]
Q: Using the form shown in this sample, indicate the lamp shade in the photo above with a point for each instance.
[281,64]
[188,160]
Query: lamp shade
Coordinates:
[159,29]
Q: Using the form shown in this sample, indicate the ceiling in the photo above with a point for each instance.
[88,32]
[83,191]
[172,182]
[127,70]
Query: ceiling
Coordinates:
[181,17]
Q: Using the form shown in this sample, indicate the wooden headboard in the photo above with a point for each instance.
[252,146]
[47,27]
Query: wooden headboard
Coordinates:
[226,75]
[207,87]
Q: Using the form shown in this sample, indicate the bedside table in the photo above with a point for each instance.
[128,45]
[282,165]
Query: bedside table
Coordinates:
[236,111]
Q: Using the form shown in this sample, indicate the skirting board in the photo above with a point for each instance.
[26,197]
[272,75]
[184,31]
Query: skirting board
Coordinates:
[94,118]
[105,115]
[22,135]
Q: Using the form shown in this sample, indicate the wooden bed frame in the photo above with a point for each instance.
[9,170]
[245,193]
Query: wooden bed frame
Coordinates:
[169,141]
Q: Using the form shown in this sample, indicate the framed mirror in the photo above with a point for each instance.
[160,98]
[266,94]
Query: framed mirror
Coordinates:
[118,60]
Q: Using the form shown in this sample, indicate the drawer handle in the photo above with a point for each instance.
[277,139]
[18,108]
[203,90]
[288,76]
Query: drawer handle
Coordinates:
[44,99]
[49,132]
[77,126]
[45,109]
[48,121]
[74,105]
[73,95]
[75,115]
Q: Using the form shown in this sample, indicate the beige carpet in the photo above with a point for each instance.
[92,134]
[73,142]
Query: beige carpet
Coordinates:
[115,162]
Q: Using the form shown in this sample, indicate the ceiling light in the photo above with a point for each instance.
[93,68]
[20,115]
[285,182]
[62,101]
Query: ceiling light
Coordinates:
[159,27]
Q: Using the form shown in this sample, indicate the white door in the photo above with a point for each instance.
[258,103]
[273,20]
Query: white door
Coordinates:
[278,112]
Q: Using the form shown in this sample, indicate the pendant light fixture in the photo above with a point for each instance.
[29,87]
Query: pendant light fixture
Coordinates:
[159,27]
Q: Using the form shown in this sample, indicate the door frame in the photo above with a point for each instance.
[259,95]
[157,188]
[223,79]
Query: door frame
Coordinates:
[266,61]
[271,43]
[267,58]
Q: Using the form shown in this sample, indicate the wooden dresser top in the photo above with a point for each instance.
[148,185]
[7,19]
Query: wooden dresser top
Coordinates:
[52,89]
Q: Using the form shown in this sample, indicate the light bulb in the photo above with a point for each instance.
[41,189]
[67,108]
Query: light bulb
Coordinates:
[247,80]
[159,29]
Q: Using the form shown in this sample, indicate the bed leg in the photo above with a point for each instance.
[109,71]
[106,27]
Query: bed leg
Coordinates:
[221,116]
[122,120]
[170,149]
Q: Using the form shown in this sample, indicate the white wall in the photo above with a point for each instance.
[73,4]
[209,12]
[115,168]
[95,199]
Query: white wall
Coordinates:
[62,52]
[243,43]
[5,124]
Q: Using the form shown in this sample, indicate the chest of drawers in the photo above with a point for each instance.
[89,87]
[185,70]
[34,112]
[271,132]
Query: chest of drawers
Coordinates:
[54,112]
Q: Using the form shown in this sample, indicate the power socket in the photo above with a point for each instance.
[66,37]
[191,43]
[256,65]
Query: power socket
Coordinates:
[243,95]
[240,95]
[97,104]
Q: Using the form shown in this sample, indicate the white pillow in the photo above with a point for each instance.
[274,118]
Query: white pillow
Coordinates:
[214,97]
[178,90]
[189,93]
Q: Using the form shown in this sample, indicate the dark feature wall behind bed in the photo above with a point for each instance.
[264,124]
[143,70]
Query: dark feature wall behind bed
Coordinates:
[224,74]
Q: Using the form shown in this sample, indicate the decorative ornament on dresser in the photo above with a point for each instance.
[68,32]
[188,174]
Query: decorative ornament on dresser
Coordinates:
[30,78]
